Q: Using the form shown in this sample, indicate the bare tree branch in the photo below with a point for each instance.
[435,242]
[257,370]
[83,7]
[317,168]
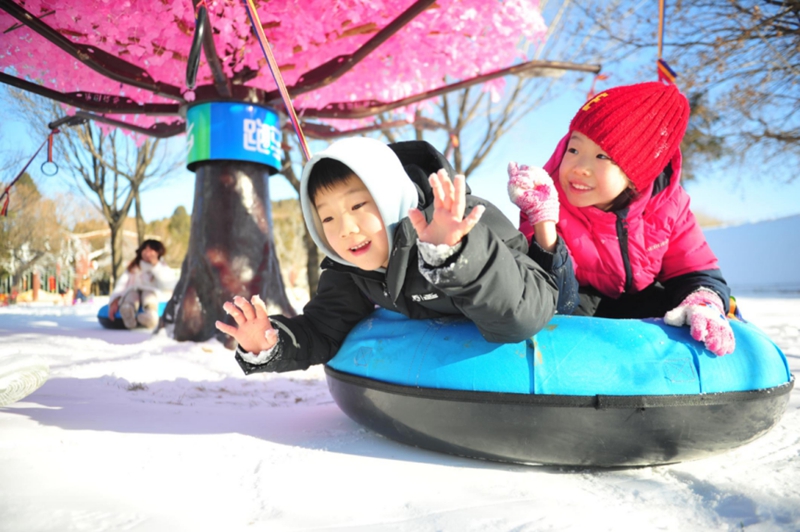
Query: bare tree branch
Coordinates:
[110,165]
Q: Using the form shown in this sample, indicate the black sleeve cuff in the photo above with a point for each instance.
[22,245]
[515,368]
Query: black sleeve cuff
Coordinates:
[559,266]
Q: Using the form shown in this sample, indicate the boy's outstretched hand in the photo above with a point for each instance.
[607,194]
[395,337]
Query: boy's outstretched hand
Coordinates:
[254,332]
[449,224]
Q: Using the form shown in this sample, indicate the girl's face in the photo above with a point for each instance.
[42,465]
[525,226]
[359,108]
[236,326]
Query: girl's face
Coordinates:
[588,176]
[150,255]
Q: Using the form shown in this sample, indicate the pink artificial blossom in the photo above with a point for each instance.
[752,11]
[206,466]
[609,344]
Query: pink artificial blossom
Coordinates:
[450,41]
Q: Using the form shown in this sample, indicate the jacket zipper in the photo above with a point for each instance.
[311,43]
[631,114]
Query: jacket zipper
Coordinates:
[622,235]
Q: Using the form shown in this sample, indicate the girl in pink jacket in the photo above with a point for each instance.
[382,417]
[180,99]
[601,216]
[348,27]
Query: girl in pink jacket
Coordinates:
[608,218]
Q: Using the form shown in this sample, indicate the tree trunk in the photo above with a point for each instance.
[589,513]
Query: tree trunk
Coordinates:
[140,227]
[231,251]
[116,250]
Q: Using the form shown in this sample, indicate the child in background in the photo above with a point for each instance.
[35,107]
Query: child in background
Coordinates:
[146,281]
[395,236]
[609,215]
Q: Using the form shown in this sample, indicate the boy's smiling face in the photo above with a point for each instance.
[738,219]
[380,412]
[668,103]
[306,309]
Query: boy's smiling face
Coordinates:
[352,224]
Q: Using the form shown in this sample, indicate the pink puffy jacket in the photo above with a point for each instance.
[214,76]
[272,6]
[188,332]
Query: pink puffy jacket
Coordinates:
[663,238]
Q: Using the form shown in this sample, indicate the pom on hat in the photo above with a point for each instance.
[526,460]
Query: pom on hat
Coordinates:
[639,126]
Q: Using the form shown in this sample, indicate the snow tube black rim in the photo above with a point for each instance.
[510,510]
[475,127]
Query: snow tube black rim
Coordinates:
[601,431]
[580,401]
[118,323]
[108,324]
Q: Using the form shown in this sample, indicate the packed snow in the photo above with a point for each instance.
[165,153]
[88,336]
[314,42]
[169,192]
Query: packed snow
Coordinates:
[134,431]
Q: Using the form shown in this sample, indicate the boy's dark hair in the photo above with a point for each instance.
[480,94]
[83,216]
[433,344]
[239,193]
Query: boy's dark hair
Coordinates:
[326,174]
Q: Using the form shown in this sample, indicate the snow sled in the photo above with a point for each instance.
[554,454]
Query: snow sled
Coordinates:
[582,392]
[102,316]
[20,376]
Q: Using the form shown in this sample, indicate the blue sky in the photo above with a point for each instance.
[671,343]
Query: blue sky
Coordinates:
[531,142]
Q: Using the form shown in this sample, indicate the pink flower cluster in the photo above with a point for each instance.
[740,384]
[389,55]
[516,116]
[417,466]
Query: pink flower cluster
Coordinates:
[450,41]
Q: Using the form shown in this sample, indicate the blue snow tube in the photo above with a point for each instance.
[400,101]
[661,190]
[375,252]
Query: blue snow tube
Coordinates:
[583,391]
[102,316]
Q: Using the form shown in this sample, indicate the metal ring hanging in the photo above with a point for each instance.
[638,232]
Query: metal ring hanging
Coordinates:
[50,168]
[7,192]
[193,64]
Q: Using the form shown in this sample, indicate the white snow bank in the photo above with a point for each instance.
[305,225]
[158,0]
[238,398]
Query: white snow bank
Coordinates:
[759,257]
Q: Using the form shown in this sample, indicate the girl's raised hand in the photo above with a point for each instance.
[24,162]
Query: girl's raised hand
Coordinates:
[253,332]
[448,225]
[533,191]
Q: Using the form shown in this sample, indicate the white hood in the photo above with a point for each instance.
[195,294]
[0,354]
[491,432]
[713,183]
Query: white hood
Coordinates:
[379,169]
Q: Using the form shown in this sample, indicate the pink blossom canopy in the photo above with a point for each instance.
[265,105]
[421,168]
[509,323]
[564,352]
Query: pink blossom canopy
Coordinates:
[453,40]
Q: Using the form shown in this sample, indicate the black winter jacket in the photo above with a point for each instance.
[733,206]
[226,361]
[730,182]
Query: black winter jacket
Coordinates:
[490,281]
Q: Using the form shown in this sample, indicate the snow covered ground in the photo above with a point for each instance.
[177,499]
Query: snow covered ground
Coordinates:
[137,432]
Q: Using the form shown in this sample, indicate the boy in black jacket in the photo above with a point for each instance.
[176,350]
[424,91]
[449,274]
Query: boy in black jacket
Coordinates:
[398,240]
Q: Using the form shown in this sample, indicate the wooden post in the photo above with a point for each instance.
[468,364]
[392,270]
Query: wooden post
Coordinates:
[36,282]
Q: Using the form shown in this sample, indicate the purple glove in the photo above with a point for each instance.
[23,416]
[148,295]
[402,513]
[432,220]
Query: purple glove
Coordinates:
[533,191]
[704,313]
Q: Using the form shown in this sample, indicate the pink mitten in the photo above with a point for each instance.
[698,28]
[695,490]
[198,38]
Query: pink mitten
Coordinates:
[704,313]
[533,191]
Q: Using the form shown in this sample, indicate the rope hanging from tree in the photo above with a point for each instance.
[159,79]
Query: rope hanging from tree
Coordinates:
[665,73]
[276,74]
[7,192]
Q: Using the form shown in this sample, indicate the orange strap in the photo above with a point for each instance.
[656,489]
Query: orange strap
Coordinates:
[276,74]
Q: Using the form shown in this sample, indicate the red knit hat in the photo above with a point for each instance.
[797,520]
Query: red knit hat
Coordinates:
[639,126]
